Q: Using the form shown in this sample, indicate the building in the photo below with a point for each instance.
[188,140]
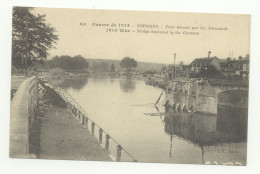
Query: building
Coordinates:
[228,67]
[232,67]
[243,68]
[198,64]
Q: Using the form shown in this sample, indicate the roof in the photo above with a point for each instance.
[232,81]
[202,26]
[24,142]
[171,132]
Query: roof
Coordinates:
[203,60]
[225,62]
[243,61]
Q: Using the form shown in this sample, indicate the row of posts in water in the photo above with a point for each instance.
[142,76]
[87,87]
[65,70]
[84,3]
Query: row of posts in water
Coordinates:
[85,120]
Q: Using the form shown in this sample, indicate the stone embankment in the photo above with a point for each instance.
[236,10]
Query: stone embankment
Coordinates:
[38,129]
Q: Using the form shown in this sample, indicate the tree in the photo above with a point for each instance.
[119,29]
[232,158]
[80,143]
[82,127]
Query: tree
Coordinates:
[100,67]
[128,63]
[209,72]
[112,68]
[163,68]
[68,63]
[32,37]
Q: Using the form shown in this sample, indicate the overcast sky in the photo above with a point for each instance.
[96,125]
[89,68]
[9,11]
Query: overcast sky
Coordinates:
[95,42]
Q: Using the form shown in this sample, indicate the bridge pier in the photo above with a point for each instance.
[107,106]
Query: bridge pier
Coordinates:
[198,95]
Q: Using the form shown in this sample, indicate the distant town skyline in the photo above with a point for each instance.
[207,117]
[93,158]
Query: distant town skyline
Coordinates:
[94,42]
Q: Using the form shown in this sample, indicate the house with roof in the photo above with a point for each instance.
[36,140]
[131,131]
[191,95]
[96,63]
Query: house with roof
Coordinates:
[232,67]
[198,64]
[243,68]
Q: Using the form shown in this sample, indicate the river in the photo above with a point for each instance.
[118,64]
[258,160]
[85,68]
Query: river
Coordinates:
[123,107]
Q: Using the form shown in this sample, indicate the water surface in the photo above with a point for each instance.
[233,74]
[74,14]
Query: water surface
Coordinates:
[124,108]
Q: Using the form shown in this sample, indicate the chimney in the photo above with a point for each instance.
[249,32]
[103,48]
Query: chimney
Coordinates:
[209,54]
[240,58]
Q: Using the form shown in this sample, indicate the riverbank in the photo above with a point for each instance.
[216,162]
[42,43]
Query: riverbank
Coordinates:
[57,134]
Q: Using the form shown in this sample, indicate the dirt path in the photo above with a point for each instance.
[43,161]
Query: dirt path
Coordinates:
[63,137]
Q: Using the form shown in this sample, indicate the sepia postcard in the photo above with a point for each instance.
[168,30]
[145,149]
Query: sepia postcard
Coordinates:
[129,86]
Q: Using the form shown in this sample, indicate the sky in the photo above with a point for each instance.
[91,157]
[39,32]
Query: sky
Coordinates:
[94,42]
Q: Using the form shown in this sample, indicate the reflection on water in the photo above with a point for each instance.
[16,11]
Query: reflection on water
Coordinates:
[211,132]
[127,84]
[202,129]
[233,120]
[119,105]
[75,82]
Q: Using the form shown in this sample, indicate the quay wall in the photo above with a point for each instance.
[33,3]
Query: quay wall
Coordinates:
[23,113]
